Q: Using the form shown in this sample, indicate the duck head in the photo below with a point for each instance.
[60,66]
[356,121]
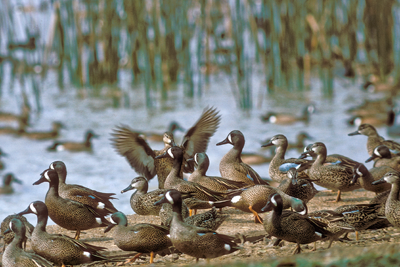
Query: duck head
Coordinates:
[117,218]
[234,138]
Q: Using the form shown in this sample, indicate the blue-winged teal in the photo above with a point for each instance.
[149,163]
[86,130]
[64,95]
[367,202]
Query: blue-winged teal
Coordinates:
[374,84]
[54,133]
[59,249]
[210,219]
[141,157]
[383,157]
[231,165]
[142,237]
[360,216]
[254,198]
[195,241]
[335,223]
[14,255]
[67,213]
[218,184]
[392,206]
[275,171]
[368,107]
[175,180]
[369,176]
[142,201]
[292,226]
[331,176]
[289,118]
[8,237]
[97,200]
[2,154]
[374,139]
[71,146]
[156,137]
[299,188]
[377,119]
[8,179]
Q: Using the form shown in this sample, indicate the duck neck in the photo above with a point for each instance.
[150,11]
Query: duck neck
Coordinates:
[17,240]
[320,159]
[53,189]
[394,192]
[62,176]
[276,216]
[176,169]
[202,169]
[177,212]
[41,222]
[280,151]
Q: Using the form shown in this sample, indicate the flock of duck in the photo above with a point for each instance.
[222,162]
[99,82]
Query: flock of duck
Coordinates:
[178,198]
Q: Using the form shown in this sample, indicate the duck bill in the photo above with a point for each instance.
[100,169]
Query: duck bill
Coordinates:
[303,155]
[16,180]
[130,187]
[161,201]
[268,207]
[8,230]
[165,155]
[269,143]
[109,227]
[41,180]
[381,181]
[26,211]
[354,133]
[224,142]
[371,158]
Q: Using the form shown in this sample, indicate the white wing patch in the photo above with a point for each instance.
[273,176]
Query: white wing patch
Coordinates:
[236,199]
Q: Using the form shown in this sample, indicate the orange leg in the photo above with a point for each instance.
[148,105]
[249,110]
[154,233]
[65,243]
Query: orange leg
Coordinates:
[257,218]
[151,257]
[338,196]
[133,259]
[77,234]
[357,236]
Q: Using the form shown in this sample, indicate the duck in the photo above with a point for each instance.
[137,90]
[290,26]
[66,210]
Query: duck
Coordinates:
[54,133]
[231,165]
[292,226]
[142,158]
[210,219]
[175,180]
[276,172]
[141,237]
[218,184]
[335,223]
[360,216]
[332,176]
[376,119]
[71,146]
[288,118]
[67,213]
[9,236]
[369,176]
[392,205]
[22,124]
[251,158]
[59,249]
[8,179]
[142,201]
[253,199]
[383,157]
[299,144]
[2,164]
[99,201]
[14,255]
[331,159]
[299,188]
[157,137]
[374,139]
[369,107]
[192,240]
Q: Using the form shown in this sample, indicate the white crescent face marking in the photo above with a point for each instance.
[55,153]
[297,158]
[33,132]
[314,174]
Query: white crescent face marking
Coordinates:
[170,153]
[169,198]
[303,212]
[274,201]
[376,151]
[358,172]
[10,225]
[33,209]
[134,184]
[236,199]
[272,119]
[195,158]
[230,138]
[112,221]
[51,166]
[46,175]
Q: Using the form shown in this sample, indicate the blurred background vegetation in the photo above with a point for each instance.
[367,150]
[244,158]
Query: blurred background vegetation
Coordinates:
[167,45]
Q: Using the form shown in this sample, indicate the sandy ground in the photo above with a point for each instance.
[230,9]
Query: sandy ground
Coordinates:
[259,248]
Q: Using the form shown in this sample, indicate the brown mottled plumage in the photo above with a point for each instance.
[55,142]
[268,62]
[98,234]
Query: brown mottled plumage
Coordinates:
[383,157]
[59,249]
[8,237]
[67,213]
[131,145]
[369,176]
[71,146]
[52,134]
